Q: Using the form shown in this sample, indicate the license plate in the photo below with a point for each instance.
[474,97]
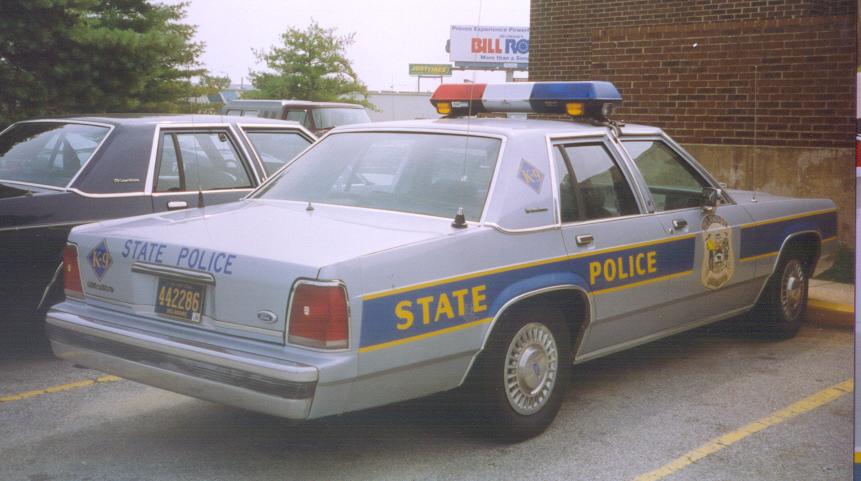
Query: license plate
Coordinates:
[179,299]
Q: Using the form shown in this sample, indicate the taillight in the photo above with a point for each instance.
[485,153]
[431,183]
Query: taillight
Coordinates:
[318,316]
[71,273]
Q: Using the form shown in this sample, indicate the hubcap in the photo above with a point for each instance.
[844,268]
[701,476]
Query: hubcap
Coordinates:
[531,365]
[792,290]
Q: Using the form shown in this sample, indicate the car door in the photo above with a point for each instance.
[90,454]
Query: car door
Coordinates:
[717,282]
[623,255]
[200,162]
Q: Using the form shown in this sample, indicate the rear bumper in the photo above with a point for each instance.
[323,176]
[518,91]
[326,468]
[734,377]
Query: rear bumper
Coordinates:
[275,387]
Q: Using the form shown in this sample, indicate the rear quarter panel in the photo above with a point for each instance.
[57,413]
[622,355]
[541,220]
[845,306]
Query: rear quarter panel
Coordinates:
[424,310]
[778,219]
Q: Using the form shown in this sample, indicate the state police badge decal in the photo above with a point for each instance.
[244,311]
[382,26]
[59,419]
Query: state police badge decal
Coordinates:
[717,256]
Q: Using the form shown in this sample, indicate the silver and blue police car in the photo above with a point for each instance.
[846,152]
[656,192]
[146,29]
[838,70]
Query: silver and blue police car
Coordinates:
[396,260]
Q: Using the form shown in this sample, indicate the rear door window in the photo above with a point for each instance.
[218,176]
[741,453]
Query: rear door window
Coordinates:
[47,153]
[591,184]
[200,161]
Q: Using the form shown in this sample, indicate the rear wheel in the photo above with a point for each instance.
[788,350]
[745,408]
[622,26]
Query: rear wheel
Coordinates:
[522,376]
[784,301]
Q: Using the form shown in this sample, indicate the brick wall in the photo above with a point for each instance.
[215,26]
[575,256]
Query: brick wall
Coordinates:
[803,50]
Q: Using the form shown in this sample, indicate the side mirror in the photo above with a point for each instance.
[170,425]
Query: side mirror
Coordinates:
[711,198]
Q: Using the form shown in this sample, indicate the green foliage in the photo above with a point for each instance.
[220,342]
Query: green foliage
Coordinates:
[311,65]
[76,56]
[208,85]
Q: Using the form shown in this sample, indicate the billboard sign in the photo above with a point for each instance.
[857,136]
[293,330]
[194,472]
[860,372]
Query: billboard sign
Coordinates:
[496,47]
[430,70]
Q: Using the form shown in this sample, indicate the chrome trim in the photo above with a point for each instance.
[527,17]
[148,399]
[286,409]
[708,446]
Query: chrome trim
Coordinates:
[243,129]
[248,157]
[618,157]
[107,196]
[575,342]
[45,226]
[50,283]
[525,230]
[315,282]
[159,129]
[95,151]
[173,272]
[188,192]
[33,184]
[275,335]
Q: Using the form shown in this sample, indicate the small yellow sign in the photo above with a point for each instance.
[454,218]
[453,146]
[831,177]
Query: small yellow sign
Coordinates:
[430,70]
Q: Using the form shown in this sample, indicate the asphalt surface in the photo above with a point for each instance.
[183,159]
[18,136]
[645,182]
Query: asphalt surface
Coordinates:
[626,415]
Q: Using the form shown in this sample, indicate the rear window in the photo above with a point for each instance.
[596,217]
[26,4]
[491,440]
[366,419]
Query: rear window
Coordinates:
[326,118]
[47,153]
[430,174]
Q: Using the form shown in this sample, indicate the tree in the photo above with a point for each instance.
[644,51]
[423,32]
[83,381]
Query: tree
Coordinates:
[207,86]
[311,65]
[74,56]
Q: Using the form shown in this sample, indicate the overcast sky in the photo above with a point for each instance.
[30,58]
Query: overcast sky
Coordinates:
[390,34]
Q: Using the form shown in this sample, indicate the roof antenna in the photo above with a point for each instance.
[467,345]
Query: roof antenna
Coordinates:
[755,145]
[459,219]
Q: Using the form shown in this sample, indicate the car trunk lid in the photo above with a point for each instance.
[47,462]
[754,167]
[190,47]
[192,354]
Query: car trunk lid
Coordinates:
[242,259]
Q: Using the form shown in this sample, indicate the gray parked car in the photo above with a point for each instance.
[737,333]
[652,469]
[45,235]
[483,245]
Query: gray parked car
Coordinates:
[396,260]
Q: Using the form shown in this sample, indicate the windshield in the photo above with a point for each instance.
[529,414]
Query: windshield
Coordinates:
[431,174]
[47,153]
[326,118]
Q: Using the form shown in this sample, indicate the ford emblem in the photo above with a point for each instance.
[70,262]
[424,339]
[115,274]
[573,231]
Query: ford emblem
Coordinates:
[267,316]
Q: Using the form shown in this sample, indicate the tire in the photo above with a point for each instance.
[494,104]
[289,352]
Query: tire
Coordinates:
[781,307]
[522,376]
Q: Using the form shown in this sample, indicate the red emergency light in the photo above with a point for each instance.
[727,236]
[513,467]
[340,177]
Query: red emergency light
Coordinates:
[459,99]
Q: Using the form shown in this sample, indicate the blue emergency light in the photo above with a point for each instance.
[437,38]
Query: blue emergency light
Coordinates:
[594,100]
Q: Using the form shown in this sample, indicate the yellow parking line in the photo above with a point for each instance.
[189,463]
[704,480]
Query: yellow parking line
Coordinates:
[795,409]
[62,387]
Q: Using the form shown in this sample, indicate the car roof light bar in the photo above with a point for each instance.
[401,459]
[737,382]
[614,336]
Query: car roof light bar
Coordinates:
[594,100]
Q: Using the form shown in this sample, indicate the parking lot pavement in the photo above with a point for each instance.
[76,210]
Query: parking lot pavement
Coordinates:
[628,415]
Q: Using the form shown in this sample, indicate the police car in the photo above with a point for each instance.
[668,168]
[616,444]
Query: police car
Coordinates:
[396,260]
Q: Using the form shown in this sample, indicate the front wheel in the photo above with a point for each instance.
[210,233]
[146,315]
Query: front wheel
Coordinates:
[784,301]
[522,376]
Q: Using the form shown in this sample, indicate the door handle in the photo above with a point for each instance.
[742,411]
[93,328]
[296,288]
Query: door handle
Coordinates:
[177,204]
[679,223]
[584,239]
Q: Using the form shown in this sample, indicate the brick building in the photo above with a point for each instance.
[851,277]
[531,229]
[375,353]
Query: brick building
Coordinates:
[719,76]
